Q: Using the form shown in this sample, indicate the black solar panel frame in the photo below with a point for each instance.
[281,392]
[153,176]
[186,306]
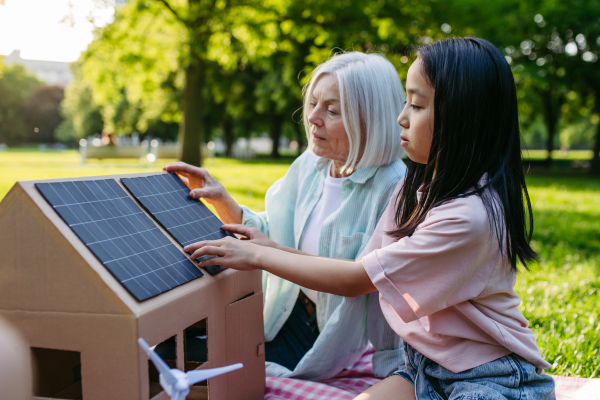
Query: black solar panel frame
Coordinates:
[108,221]
[182,222]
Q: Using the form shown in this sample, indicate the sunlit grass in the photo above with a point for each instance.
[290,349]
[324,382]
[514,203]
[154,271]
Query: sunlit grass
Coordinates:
[246,181]
[561,294]
[559,154]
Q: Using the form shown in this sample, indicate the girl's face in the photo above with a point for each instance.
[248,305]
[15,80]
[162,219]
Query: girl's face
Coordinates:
[416,118]
[329,137]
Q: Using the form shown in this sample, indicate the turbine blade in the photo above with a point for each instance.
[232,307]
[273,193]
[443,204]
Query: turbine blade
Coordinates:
[158,362]
[178,396]
[204,374]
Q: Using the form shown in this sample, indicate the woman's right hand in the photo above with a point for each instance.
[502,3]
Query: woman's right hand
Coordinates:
[203,185]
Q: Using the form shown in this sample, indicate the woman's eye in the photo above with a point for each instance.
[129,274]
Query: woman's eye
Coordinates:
[331,112]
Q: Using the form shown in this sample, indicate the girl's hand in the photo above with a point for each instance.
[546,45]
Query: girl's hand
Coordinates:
[203,185]
[253,235]
[231,253]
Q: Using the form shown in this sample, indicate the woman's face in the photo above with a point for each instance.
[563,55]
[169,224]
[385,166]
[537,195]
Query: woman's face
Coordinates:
[327,130]
[416,118]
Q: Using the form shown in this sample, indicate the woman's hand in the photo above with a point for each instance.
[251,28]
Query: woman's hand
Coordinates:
[242,255]
[253,235]
[203,185]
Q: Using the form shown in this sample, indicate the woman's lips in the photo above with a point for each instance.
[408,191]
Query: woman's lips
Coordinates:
[404,142]
[318,138]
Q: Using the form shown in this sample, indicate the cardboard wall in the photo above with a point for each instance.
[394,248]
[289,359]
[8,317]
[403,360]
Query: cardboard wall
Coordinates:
[213,304]
[107,346]
[42,267]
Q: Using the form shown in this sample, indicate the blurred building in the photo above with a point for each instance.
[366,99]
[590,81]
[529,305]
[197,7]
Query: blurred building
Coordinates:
[50,72]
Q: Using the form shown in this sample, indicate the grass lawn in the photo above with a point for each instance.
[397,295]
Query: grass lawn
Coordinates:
[247,181]
[561,294]
[559,154]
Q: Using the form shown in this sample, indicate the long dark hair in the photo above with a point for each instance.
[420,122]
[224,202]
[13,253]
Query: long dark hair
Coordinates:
[475,132]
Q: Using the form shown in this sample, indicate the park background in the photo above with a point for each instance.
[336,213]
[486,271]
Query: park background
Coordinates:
[221,74]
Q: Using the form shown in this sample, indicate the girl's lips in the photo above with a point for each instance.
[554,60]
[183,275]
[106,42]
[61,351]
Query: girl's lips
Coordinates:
[403,142]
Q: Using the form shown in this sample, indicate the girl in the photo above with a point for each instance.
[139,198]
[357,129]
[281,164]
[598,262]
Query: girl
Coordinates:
[444,255]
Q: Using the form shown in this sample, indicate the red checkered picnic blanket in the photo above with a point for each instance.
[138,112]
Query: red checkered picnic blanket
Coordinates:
[348,383]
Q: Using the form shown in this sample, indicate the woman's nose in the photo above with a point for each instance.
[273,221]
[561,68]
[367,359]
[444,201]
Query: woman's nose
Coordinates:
[315,119]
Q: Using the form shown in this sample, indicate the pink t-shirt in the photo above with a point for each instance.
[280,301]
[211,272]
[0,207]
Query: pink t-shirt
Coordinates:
[447,290]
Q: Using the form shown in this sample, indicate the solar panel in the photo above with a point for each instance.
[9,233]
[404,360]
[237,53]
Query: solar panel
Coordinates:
[120,235]
[187,220]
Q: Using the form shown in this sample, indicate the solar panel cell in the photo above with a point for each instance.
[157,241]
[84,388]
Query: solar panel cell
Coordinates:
[120,235]
[187,220]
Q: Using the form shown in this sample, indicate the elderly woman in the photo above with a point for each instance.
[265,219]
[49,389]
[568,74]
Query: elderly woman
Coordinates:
[327,204]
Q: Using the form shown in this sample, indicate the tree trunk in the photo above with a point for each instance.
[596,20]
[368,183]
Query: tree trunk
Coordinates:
[248,130]
[551,126]
[300,136]
[276,125]
[551,104]
[193,124]
[229,138]
[595,163]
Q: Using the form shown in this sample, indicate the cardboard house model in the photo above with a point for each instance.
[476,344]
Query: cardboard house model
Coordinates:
[82,304]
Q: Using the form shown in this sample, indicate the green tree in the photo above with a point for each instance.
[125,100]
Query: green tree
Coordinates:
[239,65]
[553,47]
[132,68]
[570,34]
[82,116]
[304,34]
[42,114]
[16,88]
[210,27]
[230,102]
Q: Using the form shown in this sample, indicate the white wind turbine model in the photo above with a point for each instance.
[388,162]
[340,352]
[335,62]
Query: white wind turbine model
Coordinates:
[177,383]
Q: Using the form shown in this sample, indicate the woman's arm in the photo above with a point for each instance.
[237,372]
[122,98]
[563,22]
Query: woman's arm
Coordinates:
[202,184]
[342,277]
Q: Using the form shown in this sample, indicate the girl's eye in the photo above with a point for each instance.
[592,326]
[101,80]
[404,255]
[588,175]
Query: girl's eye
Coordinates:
[415,107]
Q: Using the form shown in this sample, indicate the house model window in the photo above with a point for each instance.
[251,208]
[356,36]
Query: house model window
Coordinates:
[92,264]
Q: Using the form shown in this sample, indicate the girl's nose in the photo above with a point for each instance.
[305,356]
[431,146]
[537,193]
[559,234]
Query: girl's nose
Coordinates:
[403,119]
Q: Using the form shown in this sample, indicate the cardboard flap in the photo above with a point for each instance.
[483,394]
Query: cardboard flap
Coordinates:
[245,339]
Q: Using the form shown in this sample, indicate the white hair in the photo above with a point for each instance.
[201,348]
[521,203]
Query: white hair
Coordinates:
[371,98]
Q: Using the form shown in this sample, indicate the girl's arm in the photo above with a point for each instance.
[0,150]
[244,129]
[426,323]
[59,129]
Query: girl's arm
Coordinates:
[342,277]
[256,236]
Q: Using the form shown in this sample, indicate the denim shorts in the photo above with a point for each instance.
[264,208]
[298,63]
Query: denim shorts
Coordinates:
[508,378]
